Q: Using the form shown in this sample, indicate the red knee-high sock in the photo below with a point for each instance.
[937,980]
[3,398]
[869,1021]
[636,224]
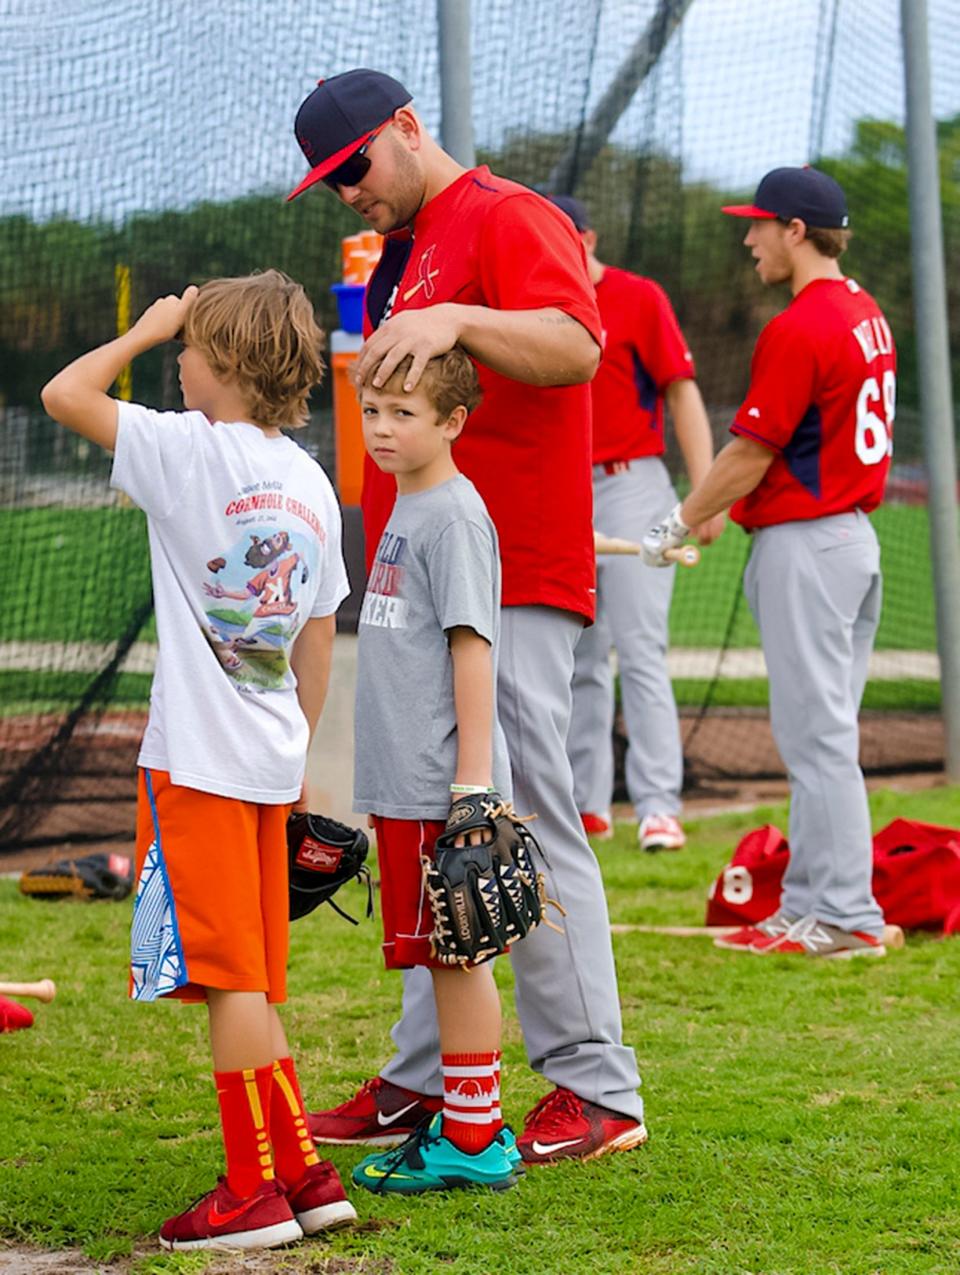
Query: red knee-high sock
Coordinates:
[468,1100]
[244,1098]
[293,1147]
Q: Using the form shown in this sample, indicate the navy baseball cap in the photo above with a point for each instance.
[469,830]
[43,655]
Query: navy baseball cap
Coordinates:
[339,115]
[805,192]
[574,209]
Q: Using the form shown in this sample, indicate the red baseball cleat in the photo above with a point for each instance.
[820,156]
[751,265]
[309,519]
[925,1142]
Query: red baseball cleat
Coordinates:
[564,1127]
[319,1202]
[380,1114]
[810,937]
[756,938]
[221,1219]
[599,826]
[14,1016]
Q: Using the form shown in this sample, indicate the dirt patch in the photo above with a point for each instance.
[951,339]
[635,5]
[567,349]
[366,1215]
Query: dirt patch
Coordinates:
[307,1259]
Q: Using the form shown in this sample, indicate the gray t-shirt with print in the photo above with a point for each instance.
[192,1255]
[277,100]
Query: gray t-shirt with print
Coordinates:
[437,567]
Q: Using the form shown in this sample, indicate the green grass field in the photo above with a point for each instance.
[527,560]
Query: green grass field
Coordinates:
[803,1116]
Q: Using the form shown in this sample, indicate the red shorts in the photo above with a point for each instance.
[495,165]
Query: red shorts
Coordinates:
[404,906]
[212,905]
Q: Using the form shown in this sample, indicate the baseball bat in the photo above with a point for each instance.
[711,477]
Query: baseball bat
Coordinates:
[685,555]
[44,990]
[892,934]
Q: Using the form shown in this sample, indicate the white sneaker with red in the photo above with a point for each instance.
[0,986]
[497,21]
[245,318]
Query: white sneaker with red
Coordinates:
[660,832]
[564,1127]
[599,826]
[810,937]
[754,938]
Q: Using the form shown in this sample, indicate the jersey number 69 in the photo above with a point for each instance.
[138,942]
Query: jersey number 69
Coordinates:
[874,438]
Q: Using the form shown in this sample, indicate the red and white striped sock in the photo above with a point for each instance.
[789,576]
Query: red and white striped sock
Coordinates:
[470,1082]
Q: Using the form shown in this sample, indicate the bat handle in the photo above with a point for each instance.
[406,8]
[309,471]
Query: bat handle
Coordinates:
[684,556]
[44,990]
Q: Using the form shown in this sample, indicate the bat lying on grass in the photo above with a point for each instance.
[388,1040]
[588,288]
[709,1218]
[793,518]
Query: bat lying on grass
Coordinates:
[892,934]
[685,555]
[44,990]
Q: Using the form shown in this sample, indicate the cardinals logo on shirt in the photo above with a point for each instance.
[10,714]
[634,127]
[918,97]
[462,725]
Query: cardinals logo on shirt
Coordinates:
[425,276]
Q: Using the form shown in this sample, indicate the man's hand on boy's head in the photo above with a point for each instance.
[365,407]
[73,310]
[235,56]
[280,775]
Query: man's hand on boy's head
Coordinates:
[164,319]
[421,333]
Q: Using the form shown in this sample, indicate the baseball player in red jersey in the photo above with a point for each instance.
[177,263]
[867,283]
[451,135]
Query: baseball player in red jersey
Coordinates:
[472,259]
[808,463]
[646,362]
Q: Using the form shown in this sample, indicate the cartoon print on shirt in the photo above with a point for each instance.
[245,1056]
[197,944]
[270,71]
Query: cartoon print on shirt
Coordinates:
[265,573]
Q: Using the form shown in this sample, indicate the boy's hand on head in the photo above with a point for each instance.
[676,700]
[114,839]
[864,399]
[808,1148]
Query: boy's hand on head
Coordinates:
[164,319]
[423,334]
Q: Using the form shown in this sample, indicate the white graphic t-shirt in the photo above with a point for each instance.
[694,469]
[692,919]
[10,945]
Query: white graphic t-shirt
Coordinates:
[245,536]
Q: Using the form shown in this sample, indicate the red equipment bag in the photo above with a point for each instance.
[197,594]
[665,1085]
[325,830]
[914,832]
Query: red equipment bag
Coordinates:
[916,877]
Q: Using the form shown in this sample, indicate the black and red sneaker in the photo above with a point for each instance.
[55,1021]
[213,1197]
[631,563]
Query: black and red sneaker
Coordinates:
[380,1114]
[564,1127]
[319,1202]
[221,1219]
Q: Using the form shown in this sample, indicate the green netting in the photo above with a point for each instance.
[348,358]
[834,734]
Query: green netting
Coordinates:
[157,137]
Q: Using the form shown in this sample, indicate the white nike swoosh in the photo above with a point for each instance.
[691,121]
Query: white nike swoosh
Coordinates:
[394,1116]
[546,1148]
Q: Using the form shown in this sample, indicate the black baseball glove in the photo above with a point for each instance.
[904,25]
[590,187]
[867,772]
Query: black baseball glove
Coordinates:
[484,897]
[323,854]
[95,876]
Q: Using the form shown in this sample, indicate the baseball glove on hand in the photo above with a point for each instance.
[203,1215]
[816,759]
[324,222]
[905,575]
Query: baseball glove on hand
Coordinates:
[323,854]
[484,897]
[668,534]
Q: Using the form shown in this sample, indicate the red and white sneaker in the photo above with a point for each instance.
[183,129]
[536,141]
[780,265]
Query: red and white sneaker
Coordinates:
[660,832]
[564,1127]
[810,937]
[319,1202]
[599,826]
[380,1114]
[223,1220]
[756,938]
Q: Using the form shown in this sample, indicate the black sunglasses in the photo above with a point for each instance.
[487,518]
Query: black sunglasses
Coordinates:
[354,168]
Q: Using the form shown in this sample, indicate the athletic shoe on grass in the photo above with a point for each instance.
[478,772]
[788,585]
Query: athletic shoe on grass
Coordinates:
[810,937]
[756,937]
[660,832]
[222,1220]
[599,826]
[319,1202]
[564,1127]
[380,1114]
[428,1161]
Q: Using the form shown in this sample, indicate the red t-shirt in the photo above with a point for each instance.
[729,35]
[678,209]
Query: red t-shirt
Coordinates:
[490,242]
[643,351]
[822,396]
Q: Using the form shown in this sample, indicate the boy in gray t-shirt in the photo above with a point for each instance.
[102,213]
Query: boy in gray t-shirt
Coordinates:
[426,734]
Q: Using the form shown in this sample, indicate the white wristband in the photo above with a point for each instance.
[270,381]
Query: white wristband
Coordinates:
[468,790]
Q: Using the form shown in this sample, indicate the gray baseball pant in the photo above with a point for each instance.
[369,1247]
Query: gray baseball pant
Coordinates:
[633,606]
[815,590]
[566,984]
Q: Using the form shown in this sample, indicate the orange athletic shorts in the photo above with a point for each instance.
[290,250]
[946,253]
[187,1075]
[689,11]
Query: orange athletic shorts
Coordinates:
[212,906]
[404,906]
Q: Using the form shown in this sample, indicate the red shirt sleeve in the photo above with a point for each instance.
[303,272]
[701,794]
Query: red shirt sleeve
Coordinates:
[660,342]
[783,378]
[531,257]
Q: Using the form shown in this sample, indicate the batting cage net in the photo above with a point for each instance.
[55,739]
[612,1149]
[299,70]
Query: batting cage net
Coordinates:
[149,145]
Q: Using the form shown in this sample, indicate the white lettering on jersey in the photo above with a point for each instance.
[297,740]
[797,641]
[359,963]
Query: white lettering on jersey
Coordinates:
[384,612]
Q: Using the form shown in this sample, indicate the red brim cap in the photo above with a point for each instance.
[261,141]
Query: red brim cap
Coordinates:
[748,210]
[333,161]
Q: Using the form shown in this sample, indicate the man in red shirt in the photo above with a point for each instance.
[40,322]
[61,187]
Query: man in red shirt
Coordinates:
[646,362]
[808,463]
[472,259]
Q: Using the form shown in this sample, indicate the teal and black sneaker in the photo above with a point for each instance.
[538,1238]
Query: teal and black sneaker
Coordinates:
[428,1161]
[508,1140]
